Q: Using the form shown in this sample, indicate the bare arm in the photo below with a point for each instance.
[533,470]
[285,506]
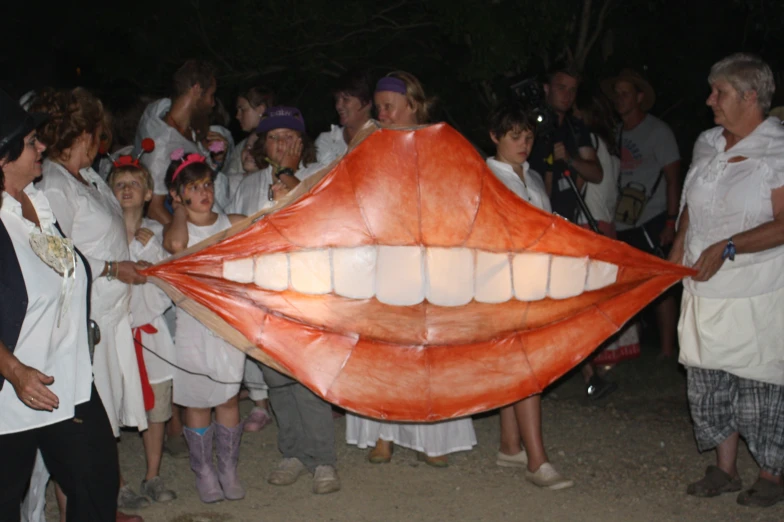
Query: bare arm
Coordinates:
[672,177]
[29,384]
[157,210]
[587,165]
[678,244]
[175,234]
[236,218]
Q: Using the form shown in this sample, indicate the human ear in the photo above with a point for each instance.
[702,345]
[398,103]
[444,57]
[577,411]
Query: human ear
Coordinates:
[494,138]
[147,195]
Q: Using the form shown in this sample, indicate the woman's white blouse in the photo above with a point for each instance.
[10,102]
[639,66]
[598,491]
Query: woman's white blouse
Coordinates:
[59,351]
[725,199]
[533,190]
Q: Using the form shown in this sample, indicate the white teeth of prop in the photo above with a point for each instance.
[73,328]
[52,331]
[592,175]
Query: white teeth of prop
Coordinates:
[400,278]
[272,272]
[600,274]
[354,270]
[311,272]
[493,278]
[238,270]
[567,276]
[450,276]
[406,275]
[530,276]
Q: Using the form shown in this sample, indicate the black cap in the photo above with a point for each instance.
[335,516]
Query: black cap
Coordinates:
[16,122]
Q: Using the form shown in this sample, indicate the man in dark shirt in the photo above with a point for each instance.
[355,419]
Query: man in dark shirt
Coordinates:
[567,149]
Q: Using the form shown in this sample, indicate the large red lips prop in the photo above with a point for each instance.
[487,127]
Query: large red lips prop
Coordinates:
[405,282]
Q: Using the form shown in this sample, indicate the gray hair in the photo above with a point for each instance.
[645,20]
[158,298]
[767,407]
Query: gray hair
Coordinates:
[746,72]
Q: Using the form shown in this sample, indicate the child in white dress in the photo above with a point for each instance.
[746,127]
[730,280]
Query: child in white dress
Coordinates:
[199,351]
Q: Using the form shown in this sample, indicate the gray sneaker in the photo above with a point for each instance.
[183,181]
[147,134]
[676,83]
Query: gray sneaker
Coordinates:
[129,499]
[156,490]
[287,472]
[325,480]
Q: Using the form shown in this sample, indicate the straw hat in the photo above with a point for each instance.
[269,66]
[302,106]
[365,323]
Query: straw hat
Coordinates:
[636,79]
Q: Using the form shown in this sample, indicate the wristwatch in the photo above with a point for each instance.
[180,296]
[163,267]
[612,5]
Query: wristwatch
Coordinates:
[729,250]
[285,170]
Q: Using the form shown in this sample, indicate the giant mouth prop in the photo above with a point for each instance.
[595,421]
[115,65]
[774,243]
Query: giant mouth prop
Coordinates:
[405,282]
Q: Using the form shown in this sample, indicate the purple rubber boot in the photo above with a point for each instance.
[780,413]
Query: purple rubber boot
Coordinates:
[200,452]
[228,446]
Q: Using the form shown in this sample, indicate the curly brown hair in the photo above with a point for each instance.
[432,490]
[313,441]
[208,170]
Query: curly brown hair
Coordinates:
[72,113]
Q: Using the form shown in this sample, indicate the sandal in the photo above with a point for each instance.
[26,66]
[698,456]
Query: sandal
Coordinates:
[381,453]
[763,493]
[437,462]
[714,483]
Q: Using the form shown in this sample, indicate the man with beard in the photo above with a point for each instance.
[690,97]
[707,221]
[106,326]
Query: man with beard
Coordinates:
[173,124]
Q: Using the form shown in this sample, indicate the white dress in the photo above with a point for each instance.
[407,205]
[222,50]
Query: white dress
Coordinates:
[201,351]
[148,303]
[433,439]
[731,322]
[91,216]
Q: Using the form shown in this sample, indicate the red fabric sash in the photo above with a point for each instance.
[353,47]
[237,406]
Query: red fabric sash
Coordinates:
[149,396]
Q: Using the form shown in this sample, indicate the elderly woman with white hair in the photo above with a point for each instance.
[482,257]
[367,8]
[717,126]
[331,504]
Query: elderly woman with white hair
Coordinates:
[731,231]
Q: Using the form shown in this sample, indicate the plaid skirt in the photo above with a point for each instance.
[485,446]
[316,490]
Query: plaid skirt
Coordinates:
[722,403]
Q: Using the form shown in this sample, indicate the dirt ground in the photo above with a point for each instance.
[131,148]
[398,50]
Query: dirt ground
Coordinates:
[630,455]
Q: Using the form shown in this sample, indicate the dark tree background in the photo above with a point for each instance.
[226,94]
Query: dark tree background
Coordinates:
[465,52]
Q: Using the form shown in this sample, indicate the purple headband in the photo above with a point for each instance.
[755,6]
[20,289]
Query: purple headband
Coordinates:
[391,84]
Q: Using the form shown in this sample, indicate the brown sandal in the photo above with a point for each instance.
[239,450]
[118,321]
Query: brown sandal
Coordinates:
[714,483]
[763,493]
[381,453]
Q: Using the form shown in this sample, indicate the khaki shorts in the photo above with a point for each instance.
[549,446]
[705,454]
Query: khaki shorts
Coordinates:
[162,410]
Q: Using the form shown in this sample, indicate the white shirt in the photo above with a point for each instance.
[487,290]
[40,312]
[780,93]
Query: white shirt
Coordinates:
[148,303]
[167,139]
[91,216]
[532,191]
[601,198]
[252,194]
[61,352]
[330,145]
[725,199]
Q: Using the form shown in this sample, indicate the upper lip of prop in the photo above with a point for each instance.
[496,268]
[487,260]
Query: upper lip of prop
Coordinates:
[428,188]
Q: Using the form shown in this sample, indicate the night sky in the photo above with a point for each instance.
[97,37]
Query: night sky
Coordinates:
[466,53]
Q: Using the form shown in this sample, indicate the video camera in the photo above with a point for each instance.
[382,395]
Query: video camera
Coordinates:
[530,93]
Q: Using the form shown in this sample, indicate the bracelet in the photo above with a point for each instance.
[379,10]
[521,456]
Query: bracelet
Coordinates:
[285,170]
[109,275]
[729,251]
[116,270]
[671,223]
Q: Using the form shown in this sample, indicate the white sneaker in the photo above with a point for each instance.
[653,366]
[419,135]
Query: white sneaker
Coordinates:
[547,477]
[325,480]
[512,461]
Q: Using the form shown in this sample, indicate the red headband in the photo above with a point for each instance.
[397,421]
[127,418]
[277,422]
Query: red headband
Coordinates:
[148,145]
[189,159]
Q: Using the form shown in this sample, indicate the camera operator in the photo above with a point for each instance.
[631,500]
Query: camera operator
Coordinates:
[567,148]
[564,147]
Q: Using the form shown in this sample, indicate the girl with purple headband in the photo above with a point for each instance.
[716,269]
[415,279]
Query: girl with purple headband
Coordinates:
[400,100]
